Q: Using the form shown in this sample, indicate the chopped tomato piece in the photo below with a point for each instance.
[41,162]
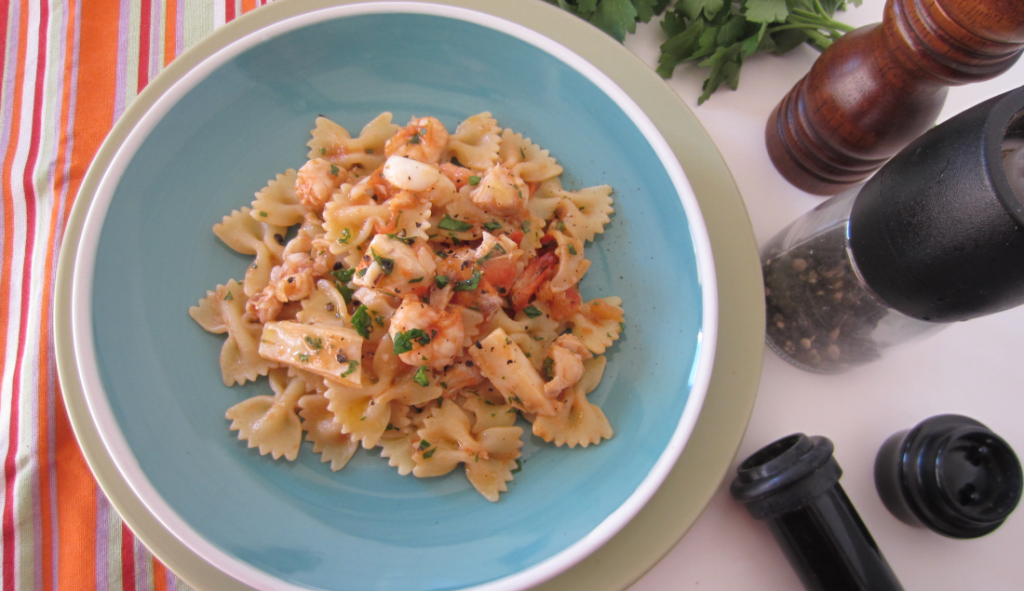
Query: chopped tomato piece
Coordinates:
[501,272]
[517,237]
[564,304]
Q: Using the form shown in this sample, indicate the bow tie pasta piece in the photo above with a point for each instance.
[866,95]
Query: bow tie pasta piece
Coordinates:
[578,422]
[487,414]
[364,412]
[585,212]
[325,434]
[332,352]
[475,142]
[221,312]
[525,159]
[334,143]
[325,306]
[277,203]
[598,323]
[349,226]
[507,367]
[244,233]
[446,440]
[270,422]
[572,265]
[533,330]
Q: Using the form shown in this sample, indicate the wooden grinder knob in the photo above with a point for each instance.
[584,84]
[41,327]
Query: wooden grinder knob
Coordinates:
[878,88]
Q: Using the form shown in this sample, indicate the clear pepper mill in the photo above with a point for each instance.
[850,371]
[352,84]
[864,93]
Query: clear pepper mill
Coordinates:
[936,236]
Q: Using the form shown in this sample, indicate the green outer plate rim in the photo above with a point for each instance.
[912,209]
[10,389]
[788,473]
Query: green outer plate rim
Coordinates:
[730,400]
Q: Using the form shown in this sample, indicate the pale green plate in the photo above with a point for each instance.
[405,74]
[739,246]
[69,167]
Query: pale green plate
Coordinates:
[645,90]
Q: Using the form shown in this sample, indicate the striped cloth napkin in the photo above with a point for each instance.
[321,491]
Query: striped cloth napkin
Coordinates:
[70,68]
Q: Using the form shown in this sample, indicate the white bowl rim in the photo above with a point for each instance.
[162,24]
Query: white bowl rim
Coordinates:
[81,295]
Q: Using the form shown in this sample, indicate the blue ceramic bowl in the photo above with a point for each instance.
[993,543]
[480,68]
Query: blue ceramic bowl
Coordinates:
[151,375]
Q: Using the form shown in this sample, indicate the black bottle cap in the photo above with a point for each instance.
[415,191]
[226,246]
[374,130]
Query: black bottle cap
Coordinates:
[786,475]
[951,474]
[938,232]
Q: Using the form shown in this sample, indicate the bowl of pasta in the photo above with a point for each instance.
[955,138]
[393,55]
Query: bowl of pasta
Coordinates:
[385,284]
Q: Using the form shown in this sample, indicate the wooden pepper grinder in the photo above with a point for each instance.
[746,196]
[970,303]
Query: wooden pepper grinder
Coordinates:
[879,87]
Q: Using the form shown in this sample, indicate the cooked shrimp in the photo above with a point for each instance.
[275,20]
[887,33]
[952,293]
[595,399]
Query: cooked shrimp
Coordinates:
[565,368]
[426,335]
[501,193]
[391,265]
[424,139]
[316,181]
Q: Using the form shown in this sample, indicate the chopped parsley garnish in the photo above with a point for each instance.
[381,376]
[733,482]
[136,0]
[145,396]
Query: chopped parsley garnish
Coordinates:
[417,280]
[263,214]
[387,265]
[572,250]
[416,138]
[474,180]
[403,239]
[362,272]
[492,226]
[369,150]
[345,291]
[229,296]
[345,235]
[352,365]
[344,275]
[549,368]
[560,226]
[519,466]
[496,250]
[314,342]
[302,357]
[335,170]
[404,340]
[526,226]
[622,326]
[531,311]
[362,322]
[323,151]
[453,225]
[378,319]
[441,254]
[421,376]
[469,284]
[441,281]
[426,455]
[522,153]
[424,444]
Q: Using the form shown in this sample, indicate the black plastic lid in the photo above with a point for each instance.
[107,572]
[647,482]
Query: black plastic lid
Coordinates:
[938,232]
[958,477]
[786,475]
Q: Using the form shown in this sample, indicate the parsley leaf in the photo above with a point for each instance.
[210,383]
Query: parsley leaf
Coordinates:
[441,281]
[352,365]
[404,340]
[344,275]
[492,226]
[314,343]
[421,376]
[474,180]
[532,311]
[469,284]
[362,322]
[453,225]
[387,265]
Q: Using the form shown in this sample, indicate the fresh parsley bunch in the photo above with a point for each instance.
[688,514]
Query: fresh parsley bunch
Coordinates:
[720,33]
[615,17]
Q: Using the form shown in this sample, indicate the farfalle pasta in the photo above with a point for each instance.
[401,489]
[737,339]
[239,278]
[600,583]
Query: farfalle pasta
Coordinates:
[426,303]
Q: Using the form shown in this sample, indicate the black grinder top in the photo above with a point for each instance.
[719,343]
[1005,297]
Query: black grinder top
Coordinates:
[938,233]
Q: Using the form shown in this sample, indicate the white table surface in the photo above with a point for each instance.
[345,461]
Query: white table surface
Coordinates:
[974,368]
